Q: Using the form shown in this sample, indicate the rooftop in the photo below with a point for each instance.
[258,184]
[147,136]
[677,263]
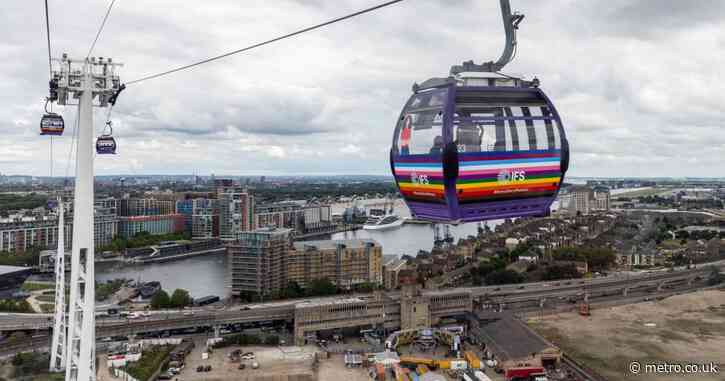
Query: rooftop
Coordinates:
[4,270]
[508,337]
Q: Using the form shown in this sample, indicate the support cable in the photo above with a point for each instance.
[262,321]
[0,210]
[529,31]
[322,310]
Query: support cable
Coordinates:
[250,47]
[47,33]
[100,29]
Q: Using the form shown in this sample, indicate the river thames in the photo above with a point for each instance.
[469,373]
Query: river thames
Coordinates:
[207,275]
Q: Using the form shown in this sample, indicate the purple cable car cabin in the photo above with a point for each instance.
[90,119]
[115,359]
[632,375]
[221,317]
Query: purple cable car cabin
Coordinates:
[479,148]
[52,124]
[105,145]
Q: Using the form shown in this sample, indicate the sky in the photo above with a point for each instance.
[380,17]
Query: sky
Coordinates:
[639,84]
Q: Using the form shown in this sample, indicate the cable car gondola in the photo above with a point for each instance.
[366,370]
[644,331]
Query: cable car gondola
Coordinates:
[479,144]
[52,124]
[106,144]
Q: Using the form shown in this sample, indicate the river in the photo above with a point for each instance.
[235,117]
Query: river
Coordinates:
[206,275]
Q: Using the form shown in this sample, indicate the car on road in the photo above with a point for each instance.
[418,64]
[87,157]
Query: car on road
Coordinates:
[189,313]
[248,356]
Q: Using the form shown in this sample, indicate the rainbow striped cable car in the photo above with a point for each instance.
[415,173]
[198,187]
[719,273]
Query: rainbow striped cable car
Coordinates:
[479,146]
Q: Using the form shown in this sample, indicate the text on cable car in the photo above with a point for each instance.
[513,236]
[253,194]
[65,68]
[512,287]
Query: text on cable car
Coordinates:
[419,179]
[511,175]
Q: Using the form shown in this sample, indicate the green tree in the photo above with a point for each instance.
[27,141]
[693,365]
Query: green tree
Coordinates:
[715,277]
[503,277]
[293,290]
[181,298]
[272,340]
[557,272]
[321,287]
[161,300]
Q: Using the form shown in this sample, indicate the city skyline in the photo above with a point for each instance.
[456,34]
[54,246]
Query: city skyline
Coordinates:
[341,88]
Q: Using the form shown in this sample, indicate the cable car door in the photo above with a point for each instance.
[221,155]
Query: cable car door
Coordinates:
[417,155]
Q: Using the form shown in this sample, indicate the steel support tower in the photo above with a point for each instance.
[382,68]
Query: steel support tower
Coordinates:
[58,345]
[92,82]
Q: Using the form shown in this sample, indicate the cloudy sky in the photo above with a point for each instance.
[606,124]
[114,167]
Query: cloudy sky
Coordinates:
[639,84]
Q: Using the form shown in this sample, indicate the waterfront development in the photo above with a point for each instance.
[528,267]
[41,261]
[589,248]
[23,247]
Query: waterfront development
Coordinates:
[311,191]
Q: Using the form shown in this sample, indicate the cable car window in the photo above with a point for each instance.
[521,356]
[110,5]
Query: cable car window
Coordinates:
[420,128]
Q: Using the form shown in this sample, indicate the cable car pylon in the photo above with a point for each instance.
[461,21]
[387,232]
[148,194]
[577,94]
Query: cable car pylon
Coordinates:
[92,82]
[59,344]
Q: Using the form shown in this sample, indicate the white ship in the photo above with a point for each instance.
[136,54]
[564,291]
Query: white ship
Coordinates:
[389,221]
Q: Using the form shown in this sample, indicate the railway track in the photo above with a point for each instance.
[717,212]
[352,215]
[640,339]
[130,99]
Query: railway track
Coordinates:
[576,372]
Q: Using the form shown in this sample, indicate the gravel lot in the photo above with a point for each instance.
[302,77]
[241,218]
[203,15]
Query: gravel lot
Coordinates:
[681,329]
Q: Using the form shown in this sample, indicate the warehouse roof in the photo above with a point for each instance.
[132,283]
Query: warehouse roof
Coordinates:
[509,338]
[4,270]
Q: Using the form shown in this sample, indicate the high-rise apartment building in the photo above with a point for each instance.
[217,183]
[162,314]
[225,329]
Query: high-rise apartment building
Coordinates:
[294,215]
[236,213]
[265,260]
[19,233]
[257,261]
[201,217]
[145,207]
[345,263]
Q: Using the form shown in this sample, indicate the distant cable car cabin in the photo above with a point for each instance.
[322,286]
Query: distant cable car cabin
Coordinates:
[52,124]
[106,144]
[479,144]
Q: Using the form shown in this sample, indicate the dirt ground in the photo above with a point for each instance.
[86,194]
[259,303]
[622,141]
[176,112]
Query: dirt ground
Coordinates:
[684,329]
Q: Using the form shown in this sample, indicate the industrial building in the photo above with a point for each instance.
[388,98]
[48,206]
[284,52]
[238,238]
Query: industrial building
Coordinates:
[582,199]
[511,342]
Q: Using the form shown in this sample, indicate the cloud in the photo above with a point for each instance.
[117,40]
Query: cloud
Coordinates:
[636,83]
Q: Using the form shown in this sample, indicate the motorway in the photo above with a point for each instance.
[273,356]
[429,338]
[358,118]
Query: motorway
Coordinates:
[284,310]
[524,298]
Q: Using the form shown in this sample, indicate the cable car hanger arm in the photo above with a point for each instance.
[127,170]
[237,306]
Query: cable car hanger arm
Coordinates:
[510,25]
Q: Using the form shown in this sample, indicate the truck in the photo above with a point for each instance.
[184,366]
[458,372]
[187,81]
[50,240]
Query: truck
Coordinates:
[524,372]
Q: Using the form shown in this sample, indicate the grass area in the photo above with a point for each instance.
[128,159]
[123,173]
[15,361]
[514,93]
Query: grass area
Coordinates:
[105,290]
[47,308]
[640,193]
[142,239]
[149,362]
[46,298]
[27,258]
[671,244]
[32,286]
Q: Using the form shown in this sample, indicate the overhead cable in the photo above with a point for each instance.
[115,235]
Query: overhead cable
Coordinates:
[47,33]
[250,47]
[100,29]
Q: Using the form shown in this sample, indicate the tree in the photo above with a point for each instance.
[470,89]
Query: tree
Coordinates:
[557,272]
[293,290]
[272,340]
[715,277]
[321,287]
[503,277]
[180,298]
[160,300]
